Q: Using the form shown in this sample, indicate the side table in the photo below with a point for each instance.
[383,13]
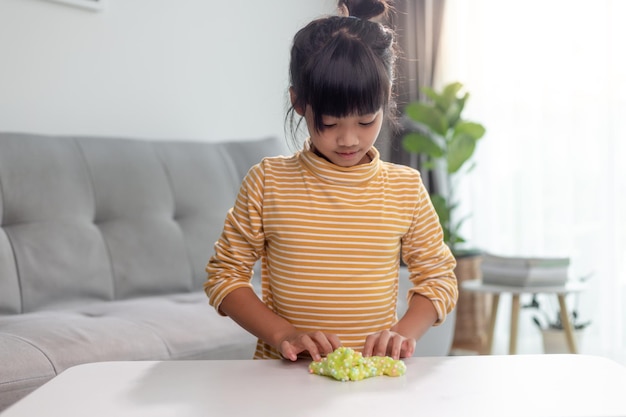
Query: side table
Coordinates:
[495,290]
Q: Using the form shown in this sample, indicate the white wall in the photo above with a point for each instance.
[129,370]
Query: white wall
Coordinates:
[186,69]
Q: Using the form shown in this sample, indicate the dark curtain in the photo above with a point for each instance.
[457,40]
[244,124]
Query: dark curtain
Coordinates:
[418,25]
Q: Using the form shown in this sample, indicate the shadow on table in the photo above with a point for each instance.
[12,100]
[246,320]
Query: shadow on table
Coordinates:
[264,387]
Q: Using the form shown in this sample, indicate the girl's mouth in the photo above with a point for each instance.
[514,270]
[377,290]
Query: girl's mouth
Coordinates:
[347,155]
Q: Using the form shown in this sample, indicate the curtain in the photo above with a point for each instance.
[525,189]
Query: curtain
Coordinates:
[418,25]
[547,78]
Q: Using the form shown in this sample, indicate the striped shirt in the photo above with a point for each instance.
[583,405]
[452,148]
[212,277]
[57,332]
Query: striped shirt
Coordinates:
[330,240]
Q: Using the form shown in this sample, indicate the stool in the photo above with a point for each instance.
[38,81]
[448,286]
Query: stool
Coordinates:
[495,290]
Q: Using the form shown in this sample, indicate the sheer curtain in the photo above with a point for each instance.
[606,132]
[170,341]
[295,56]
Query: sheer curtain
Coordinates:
[548,80]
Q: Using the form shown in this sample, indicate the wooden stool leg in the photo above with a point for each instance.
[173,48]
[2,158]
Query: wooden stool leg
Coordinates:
[514,323]
[495,301]
[567,325]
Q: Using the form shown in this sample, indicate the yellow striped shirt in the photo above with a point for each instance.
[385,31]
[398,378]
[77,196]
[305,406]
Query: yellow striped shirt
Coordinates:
[330,240]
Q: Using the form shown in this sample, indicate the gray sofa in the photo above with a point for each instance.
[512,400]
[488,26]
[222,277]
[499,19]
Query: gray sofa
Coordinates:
[103,245]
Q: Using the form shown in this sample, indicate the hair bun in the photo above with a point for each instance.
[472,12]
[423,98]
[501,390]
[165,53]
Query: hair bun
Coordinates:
[363,9]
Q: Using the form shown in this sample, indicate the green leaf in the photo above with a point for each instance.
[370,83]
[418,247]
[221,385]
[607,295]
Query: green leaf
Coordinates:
[431,94]
[443,212]
[472,129]
[421,144]
[428,116]
[451,90]
[430,165]
[449,93]
[453,114]
[460,149]
[446,100]
[441,207]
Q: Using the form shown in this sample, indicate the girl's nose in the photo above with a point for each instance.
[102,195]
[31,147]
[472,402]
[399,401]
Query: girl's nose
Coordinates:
[347,138]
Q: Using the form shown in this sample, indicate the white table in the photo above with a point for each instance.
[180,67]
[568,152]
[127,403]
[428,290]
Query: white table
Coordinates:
[500,385]
[495,290]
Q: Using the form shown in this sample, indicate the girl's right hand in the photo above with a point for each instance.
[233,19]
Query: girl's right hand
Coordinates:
[317,344]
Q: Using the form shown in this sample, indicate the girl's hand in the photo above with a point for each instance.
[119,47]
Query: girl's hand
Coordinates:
[315,343]
[389,343]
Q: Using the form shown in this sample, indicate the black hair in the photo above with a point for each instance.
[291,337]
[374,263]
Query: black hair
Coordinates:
[344,65]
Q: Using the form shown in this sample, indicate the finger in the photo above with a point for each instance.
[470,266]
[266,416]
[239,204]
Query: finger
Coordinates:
[288,351]
[396,345]
[310,346]
[334,340]
[368,347]
[408,348]
[382,343]
[323,342]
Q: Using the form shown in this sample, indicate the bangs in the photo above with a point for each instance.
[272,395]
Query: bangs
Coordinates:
[347,80]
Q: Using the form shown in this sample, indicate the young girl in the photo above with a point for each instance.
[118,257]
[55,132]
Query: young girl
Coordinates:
[331,222]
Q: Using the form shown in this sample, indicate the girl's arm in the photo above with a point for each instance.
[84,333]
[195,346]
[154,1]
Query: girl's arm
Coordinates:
[434,292]
[399,341]
[230,269]
[247,310]
[420,316]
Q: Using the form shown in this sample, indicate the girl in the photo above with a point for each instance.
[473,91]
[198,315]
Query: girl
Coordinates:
[331,222]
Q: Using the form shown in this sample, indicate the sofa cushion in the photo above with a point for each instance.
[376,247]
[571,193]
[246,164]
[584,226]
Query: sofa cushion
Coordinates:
[184,323]
[68,338]
[89,219]
[204,187]
[24,368]
[200,210]
[10,301]
[34,347]
[135,213]
[47,215]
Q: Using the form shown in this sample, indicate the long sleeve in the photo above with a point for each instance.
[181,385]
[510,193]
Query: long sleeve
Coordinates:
[241,242]
[430,262]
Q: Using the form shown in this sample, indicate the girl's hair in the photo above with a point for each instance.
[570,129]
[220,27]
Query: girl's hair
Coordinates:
[344,65]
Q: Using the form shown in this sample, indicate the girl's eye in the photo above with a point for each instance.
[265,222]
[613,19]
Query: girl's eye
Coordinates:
[367,123]
[328,125]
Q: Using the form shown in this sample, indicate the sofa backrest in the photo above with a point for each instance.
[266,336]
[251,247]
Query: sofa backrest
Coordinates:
[84,218]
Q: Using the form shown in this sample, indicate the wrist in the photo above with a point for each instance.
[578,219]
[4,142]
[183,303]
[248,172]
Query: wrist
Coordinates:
[280,334]
[419,317]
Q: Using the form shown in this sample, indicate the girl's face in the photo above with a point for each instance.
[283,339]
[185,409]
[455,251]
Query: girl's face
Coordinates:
[345,141]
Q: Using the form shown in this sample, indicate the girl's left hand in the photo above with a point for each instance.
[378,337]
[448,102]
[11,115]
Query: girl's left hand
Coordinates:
[389,343]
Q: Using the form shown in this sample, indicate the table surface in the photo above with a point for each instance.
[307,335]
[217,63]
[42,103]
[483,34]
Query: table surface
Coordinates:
[477,285]
[523,385]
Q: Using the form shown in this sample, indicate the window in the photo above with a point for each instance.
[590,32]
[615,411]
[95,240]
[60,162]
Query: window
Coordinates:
[548,80]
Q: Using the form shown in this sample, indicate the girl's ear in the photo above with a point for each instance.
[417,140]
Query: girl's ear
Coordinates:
[293,97]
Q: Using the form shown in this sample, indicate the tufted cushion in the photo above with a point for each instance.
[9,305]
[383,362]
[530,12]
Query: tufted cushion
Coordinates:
[135,215]
[48,212]
[204,186]
[100,219]
[27,369]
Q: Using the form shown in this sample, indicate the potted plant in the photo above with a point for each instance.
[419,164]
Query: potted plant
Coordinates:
[548,320]
[448,141]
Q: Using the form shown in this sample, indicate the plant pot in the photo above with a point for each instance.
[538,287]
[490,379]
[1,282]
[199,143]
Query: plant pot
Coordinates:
[472,309]
[555,340]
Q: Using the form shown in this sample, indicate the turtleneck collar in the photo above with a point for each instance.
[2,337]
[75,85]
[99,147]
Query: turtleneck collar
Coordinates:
[330,172]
